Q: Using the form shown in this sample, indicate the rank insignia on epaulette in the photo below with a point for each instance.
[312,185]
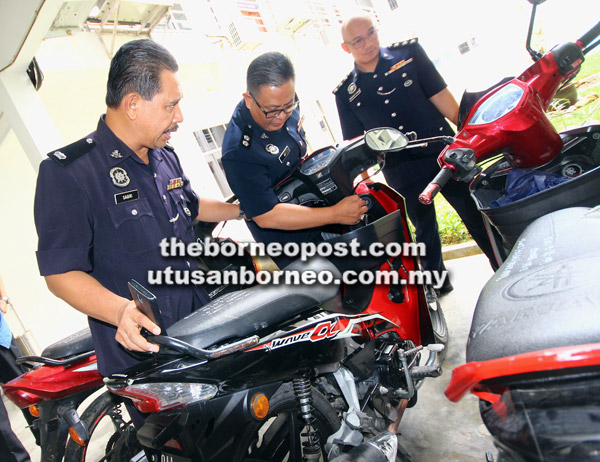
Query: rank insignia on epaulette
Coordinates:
[403,44]
[398,65]
[175,183]
[64,156]
[246,139]
[335,90]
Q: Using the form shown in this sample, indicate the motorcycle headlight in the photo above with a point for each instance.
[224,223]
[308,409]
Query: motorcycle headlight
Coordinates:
[498,105]
[156,397]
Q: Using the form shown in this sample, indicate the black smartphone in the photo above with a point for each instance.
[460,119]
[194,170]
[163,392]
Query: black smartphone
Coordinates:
[146,302]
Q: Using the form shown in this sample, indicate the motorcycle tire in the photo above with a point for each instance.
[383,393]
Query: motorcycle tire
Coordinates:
[112,434]
[440,327]
[280,434]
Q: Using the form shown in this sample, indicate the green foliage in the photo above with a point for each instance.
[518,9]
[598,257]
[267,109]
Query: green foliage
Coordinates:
[452,230]
[587,108]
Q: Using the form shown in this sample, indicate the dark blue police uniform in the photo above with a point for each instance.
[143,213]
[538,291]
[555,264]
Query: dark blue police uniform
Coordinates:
[255,160]
[100,209]
[397,95]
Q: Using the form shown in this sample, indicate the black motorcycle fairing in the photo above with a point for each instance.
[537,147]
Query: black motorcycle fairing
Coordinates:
[382,231]
[205,430]
[242,313]
[554,420]
[546,293]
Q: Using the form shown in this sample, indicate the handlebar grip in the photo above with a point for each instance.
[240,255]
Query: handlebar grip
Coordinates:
[426,197]
[590,35]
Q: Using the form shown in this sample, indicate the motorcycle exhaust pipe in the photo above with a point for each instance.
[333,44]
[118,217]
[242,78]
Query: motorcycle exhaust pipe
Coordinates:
[393,427]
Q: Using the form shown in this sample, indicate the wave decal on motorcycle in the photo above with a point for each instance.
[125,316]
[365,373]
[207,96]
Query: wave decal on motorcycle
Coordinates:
[326,329]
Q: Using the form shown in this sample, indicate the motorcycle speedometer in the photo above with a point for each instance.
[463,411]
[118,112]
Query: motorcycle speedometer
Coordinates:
[498,105]
[317,161]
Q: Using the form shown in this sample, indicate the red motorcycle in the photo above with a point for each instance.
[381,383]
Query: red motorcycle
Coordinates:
[57,383]
[509,122]
[533,356]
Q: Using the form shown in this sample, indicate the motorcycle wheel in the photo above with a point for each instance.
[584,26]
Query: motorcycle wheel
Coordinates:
[438,323]
[112,435]
[279,436]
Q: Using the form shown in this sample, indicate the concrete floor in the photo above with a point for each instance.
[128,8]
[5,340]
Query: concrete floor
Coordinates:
[435,429]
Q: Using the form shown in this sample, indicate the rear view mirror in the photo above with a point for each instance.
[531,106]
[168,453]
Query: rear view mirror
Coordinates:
[385,139]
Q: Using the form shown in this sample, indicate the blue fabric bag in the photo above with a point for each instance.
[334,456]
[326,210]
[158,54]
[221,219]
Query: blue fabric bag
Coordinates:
[524,183]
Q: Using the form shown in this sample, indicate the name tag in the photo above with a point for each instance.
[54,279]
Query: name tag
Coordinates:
[127,196]
[284,154]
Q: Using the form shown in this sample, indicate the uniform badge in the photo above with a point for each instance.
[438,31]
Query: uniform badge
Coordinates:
[119,177]
[59,155]
[408,83]
[355,95]
[89,141]
[264,136]
[272,149]
[351,88]
[116,154]
[175,183]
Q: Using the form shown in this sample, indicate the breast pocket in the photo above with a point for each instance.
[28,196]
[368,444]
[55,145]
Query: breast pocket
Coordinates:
[183,207]
[136,226]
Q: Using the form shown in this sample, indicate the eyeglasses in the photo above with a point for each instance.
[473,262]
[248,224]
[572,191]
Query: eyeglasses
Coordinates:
[360,42]
[275,112]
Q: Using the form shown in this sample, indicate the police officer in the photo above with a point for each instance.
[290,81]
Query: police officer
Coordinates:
[263,144]
[104,203]
[400,87]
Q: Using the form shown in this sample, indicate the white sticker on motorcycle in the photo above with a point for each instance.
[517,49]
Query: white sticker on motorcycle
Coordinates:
[326,329]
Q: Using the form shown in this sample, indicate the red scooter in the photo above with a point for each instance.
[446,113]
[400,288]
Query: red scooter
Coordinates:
[509,122]
[533,354]
[57,383]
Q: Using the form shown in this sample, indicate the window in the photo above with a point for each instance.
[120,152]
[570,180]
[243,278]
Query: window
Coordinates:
[211,141]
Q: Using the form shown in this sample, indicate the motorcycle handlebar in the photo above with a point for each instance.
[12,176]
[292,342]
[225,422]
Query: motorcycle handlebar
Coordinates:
[426,197]
[590,35]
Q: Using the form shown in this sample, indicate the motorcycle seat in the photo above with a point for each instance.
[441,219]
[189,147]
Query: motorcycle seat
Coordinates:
[546,294]
[79,342]
[243,313]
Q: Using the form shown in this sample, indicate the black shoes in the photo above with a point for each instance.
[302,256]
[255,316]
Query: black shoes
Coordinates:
[446,288]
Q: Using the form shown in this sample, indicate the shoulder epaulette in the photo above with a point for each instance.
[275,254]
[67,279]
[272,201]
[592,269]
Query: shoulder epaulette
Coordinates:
[411,41]
[246,139]
[344,80]
[64,156]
